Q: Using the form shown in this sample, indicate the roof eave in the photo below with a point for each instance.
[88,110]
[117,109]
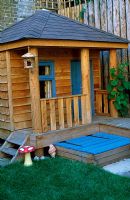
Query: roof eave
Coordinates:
[62,43]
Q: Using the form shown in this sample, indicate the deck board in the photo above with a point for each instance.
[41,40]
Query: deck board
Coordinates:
[117,122]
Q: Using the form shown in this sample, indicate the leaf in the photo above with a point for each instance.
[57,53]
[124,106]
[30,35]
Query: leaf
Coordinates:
[126,85]
[109,88]
[120,88]
[120,76]
[114,82]
[117,105]
[113,93]
[113,72]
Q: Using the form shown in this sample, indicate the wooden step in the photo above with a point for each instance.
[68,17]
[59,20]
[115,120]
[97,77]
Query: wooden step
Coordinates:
[9,150]
[18,137]
[4,161]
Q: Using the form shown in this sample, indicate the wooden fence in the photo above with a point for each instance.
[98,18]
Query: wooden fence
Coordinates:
[109,15]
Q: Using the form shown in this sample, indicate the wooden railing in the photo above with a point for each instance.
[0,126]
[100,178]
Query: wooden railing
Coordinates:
[101,102]
[63,112]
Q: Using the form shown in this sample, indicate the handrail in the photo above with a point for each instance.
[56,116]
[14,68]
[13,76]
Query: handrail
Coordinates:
[63,97]
[63,112]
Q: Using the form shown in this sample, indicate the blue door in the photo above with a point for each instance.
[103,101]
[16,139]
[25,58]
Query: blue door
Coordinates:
[76,81]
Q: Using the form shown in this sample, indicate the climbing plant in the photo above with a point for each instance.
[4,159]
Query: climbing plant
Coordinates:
[118,88]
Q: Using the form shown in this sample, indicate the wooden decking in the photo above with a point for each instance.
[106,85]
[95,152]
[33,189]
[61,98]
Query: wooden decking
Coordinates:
[116,122]
[119,126]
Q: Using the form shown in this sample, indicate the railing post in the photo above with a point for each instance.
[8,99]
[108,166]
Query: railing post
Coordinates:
[35,94]
[113,63]
[85,69]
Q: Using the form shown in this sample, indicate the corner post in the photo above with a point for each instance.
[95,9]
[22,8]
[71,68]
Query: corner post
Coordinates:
[35,94]
[86,87]
[113,64]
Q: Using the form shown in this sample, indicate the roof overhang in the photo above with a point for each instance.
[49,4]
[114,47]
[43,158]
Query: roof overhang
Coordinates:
[61,43]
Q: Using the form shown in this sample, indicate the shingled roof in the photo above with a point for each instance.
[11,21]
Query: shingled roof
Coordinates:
[47,25]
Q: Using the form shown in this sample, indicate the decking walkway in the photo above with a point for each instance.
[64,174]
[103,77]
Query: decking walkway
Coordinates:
[117,122]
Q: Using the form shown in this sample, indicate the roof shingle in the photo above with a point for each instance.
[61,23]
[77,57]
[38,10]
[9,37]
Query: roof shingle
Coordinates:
[47,25]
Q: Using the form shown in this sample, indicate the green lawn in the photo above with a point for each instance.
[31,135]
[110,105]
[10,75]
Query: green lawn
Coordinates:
[61,179]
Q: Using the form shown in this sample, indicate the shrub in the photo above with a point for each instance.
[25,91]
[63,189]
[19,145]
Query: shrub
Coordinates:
[118,88]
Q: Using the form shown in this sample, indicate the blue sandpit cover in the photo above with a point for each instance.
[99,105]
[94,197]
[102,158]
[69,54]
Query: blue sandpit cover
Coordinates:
[95,144]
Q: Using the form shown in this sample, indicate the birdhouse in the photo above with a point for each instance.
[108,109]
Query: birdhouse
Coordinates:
[29,60]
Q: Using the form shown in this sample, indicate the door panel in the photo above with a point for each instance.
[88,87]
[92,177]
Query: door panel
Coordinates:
[76,80]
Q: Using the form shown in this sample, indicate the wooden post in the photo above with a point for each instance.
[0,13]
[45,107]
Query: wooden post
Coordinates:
[113,63]
[85,69]
[35,94]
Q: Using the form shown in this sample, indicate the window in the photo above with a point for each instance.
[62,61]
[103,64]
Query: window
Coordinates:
[47,79]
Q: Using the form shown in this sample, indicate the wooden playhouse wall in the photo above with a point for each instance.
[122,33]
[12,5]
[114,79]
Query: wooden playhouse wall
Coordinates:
[62,61]
[5,121]
[21,101]
[15,101]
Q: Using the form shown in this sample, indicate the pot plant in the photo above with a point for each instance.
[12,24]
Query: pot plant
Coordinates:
[118,89]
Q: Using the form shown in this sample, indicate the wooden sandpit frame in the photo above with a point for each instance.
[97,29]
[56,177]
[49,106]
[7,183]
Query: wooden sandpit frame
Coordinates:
[43,140]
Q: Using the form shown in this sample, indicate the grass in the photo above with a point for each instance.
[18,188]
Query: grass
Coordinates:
[61,179]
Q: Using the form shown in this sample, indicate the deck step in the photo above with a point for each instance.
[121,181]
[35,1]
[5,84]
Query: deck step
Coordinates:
[18,137]
[4,162]
[9,150]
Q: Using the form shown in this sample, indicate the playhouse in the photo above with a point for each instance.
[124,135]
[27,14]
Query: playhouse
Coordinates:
[62,87]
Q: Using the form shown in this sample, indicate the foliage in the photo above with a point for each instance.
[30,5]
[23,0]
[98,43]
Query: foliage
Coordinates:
[81,1]
[56,179]
[118,88]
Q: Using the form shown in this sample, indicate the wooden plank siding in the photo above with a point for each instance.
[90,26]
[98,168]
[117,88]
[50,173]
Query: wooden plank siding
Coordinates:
[21,101]
[5,124]
[62,61]
[19,88]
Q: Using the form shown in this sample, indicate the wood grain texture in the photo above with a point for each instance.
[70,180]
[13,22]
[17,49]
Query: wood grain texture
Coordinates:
[61,113]
[110,16]
[35,94]
[44,116]
[5,96]
[52,114]
[113,64]
[21,102]
[85,70]
[97,13]
[91,13]
[76,110]
[69,112]
[103,7]
[61,43]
